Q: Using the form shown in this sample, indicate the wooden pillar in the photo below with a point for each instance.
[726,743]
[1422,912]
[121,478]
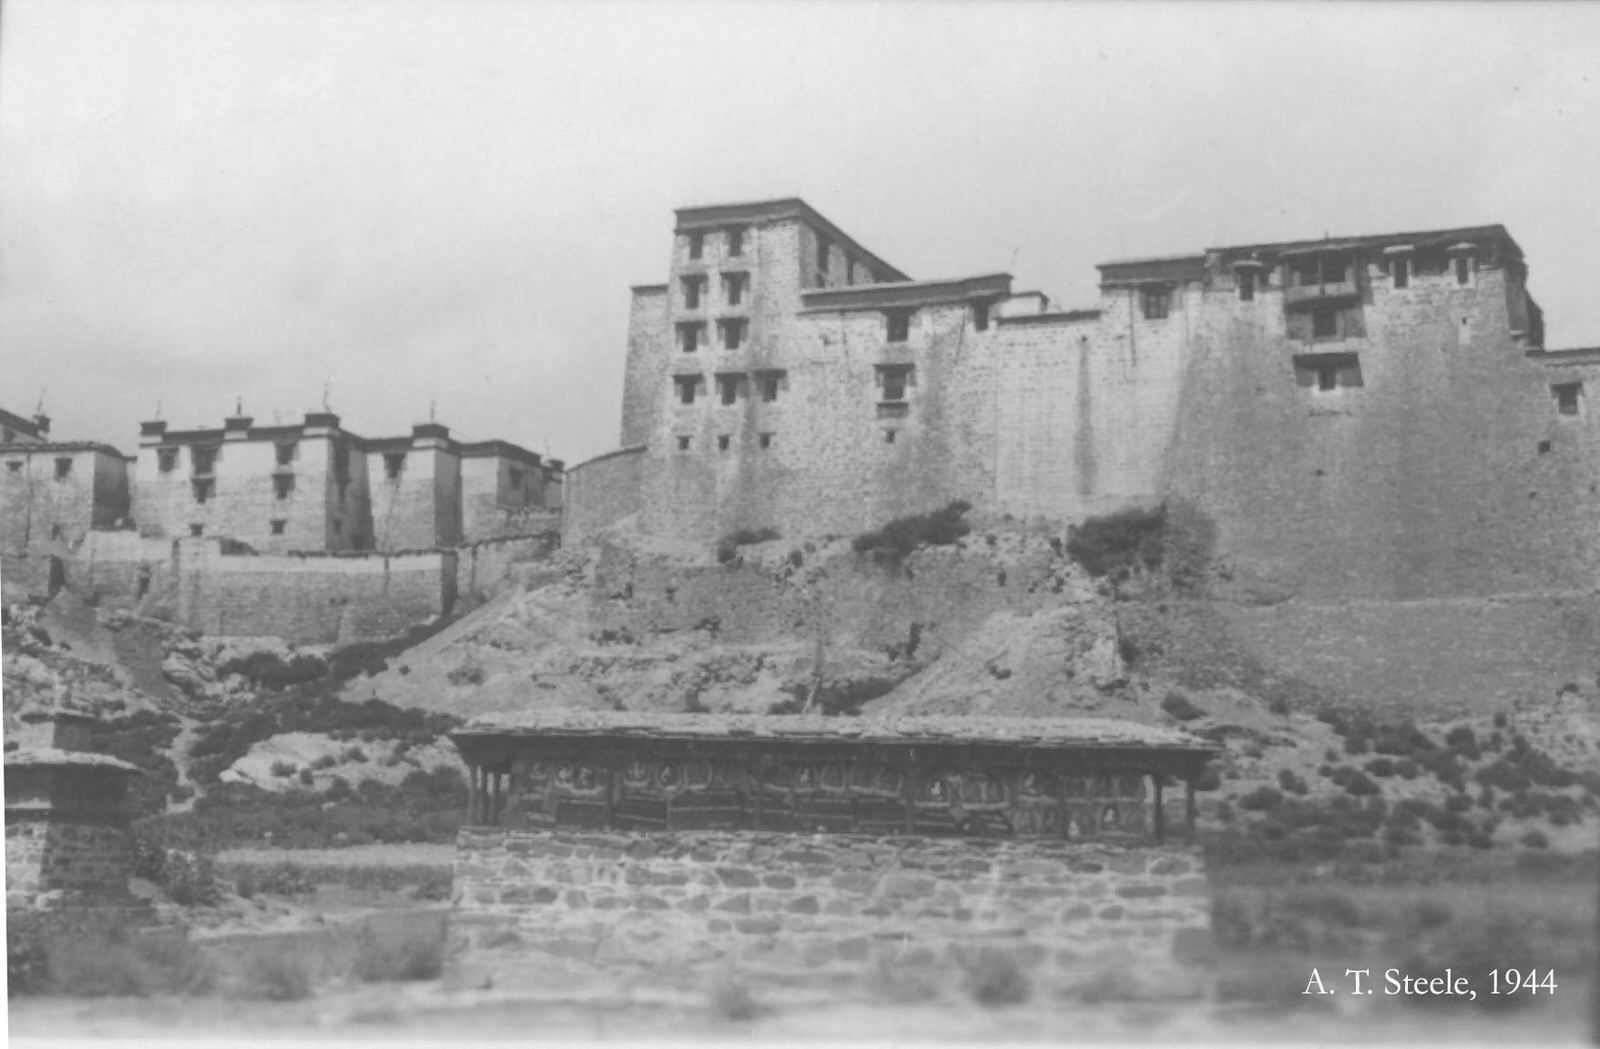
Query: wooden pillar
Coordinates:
[1160,821]
[1189,806]
[473,772]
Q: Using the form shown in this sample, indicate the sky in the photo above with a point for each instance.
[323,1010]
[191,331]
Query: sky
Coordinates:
[400,207]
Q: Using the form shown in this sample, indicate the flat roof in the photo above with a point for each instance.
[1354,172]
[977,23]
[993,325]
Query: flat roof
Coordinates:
[907,294]
[46,447]
[710,216]
[1436,238]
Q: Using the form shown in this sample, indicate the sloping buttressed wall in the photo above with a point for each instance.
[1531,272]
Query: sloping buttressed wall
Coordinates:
[791,909]
[311,600]
[601,491]
[483,568]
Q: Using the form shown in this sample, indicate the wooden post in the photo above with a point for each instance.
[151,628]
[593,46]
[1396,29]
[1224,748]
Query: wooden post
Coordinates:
[1189,806]
[1160,808]
[472,795]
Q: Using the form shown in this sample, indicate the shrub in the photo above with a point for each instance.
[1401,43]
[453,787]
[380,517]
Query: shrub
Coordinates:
[1381,767]
[1178,706]
[1262,799]
[993,977]
[749,536]
[327,761]
[306,778]
[1117,545]
[283,769]
[1279,706]
[272,671]
[1534,839]
[1354,781]
[899,537]
[1292,783]
[1463,741]
[726,551]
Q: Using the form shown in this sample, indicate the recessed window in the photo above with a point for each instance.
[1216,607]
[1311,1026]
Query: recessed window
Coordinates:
[203,459]
[1246,279]
[56,531]
[732,332]
[1566,395]
[197,530]
[723,441]
[63,468]
[278,526]
[849,270]
[1155,302]
[1463,269]
[1327,371]
[1400,271]
[769,382]
[394,464]
[736,241]
[888,436]
[697,245]
[728,388]
[691,335]
[980,316]
[282,485]
[683,444]
[893,380]
[824,246]
[691,291]
[14,465]
[1324,324]
[166,459]
[899,325]
[766,440]
[1328,377]
[285,452]
[204,488]
[1544,447]
[515,476]
[688,386]
[733,287]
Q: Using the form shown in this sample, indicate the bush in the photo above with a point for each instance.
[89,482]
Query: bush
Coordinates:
[1381,767]
[1179,706]
[1119,544]
[1534,839]
[899,537]
[282,769]
[750,536]
[1292,783]
[1262,799]
[1463,741]
[1354,781]
[270,670]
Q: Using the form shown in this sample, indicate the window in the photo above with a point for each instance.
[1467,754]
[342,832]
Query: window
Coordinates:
[691,335]
[55,531]
[893,380]
[824,246]
[1155,302]
[1247,284]
[766,440]
[282,485]
[691,291]
[197,530]
[849,270]
[1544,447]
[1328,377]
[728,388]
[14,465]
[733,286]
[723,441]
[204,488]
[769,383]
[1306,272]
[1463,269]
[203,459]
[1327,372]
[515,476]
[1567,394]
[736,241]
[697,245]
[1324,324]
[888,436]
[278,525]
[1400,270]
[394,463]
[285,450]
[899,325]
[980,316]
[732,331]
[683,444]
[166,459]
[688,386]
[63,468]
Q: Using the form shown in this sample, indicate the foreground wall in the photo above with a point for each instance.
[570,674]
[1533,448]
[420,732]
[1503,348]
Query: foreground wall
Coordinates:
[833,910]
[601,491]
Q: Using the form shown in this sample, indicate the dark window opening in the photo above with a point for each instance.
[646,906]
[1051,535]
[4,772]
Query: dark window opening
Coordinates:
[1247,284]
[394,463]
[341,465]
[770,382]
[1328,377]
[1401,270]
[197,530]
[888,436]
[1324,324]
[899,325]
[722,442]
[766,440]
[728,388]
[55,531]
[736,241]
[1154,303]
[1567,395]
[516,477]
[278,526]
[691,292]
[1328,371]
[732,330]
[824,246]
[1544,447]
[849,270]
[285,450]
[688,386]
[697,245]
[683,444]
[733,285]
[691,335]
[1463,269]
[63,469]
[204,489]
[166,459]
[14,465]
[282,486]
[204,460]
[980,316]
[894,378]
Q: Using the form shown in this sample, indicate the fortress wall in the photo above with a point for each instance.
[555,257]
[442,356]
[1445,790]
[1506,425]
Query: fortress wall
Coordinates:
[1424,480]
[649,348]
[789,909]
[483,568]
[602,491]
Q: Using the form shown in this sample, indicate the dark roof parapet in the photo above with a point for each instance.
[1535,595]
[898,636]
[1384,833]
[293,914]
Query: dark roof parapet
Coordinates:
[907,295]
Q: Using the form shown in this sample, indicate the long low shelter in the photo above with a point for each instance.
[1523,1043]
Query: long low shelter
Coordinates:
[957,776]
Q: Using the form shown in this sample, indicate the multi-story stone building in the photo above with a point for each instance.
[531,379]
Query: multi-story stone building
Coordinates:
[1364,415]
[55,491]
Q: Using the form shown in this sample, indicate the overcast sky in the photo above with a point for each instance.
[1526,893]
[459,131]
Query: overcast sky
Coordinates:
[448,200]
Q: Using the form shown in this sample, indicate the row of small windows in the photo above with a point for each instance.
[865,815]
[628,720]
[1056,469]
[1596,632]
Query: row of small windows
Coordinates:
[733,242]
[725,442]
[732,332]
[734,286]
[731,386]
[63,467]
[1324,271]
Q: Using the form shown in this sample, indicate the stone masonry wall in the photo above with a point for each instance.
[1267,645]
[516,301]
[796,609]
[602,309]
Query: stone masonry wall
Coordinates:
[833,910]
[601,491]
[51,862]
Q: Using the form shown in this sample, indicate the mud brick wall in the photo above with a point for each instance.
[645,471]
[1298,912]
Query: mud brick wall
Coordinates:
[52,862]
[836,910]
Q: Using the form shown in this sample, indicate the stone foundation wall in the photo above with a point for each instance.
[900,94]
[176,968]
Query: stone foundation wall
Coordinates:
[790,909]
[53,863]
